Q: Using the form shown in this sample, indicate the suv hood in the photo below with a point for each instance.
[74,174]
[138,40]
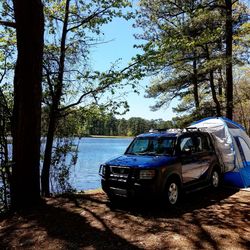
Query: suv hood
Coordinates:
[141,161]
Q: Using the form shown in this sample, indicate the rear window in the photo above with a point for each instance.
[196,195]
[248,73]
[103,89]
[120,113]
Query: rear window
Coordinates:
[202,143]
[195,143]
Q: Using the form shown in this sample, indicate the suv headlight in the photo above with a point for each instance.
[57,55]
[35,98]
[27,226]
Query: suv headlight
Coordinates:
[102,170]
[147,174]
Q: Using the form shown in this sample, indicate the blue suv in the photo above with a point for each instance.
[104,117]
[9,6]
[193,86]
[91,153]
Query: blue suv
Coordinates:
[163,163]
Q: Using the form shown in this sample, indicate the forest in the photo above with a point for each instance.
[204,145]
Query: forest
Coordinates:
[193,51]
[78,124]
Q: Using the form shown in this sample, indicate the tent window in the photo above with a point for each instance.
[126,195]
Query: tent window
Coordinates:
[244,148]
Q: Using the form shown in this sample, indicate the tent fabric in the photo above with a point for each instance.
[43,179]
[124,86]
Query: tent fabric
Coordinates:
[233,148]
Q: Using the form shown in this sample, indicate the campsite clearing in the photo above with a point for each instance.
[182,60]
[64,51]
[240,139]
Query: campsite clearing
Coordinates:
[203,220]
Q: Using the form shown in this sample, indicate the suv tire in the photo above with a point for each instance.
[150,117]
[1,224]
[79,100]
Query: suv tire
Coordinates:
[172,192]
[215,179]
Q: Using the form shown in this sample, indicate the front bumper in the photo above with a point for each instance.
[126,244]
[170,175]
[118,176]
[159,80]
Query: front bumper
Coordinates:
[130,189]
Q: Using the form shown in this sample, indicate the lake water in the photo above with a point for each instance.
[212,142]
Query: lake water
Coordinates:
[92,153]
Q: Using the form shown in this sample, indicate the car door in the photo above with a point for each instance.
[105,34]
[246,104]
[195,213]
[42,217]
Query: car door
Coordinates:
[202,154]
[188,157]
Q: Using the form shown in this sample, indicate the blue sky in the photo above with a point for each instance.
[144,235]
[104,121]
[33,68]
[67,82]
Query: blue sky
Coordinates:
[120,34]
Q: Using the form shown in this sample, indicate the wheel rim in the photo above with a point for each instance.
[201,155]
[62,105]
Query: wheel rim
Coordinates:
[215,179]
[173,193]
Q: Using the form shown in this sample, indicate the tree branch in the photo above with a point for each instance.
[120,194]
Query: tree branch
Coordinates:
[5,103]
[89,18]
[8,24]
[49,81]
[96,90]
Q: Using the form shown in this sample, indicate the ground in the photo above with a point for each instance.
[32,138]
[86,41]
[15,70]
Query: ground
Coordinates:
[203,220]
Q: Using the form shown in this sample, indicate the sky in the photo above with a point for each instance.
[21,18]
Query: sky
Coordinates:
[119,33]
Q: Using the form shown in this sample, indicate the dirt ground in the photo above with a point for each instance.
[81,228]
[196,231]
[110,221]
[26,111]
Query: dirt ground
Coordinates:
[203,220]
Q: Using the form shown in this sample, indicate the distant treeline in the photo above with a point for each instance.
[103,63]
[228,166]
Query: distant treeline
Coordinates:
[93,122]
[130,127]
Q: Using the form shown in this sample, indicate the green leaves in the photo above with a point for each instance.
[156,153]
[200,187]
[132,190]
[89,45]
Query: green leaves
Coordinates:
[184,41]
[83,31]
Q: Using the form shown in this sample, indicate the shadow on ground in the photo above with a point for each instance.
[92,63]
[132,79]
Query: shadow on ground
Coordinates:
[203,220]
[63,228]
[188,203]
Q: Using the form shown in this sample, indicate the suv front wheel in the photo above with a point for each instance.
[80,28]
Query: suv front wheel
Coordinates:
[172,192]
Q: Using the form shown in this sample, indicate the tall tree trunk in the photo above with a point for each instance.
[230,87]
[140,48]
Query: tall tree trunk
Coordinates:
[55,107]
[195,83]
[48,154]
[229,71]
[25,183]
[212,86]
[215,99]
[4,156]
[220,84]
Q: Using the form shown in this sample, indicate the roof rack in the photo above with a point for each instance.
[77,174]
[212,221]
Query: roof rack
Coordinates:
[177,130]
[152,130]
[171,130]
[202,129]
[192,128]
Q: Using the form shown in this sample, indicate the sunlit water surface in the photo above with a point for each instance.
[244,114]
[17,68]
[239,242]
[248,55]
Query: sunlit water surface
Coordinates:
[92,153]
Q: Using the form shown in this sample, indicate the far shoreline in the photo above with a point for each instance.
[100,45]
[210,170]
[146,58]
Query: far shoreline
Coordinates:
[111,136]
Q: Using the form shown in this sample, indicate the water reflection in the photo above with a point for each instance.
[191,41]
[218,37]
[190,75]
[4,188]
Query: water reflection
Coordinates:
[93,152]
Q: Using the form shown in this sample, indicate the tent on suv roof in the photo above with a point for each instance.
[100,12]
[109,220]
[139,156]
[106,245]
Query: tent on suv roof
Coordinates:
[233,147]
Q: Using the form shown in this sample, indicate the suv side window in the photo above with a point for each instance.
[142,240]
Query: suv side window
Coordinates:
[187,145]
[202,143]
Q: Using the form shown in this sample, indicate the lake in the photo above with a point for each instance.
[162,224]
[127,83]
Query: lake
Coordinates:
[92,153]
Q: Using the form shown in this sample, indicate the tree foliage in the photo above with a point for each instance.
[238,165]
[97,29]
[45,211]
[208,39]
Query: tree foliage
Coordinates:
[97,121]
[186,52]
[242,98]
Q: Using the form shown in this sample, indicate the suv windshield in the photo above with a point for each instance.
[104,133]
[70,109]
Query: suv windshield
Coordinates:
[152,146]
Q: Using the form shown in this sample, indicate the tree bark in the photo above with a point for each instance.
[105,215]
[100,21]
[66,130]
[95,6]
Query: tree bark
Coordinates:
[212,86]
[229,71]
[220,84]
[45,177]
[215,99]
[54,111]
[195,83]
[25,182]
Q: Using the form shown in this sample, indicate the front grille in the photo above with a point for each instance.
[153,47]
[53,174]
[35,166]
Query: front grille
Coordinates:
[119,173]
